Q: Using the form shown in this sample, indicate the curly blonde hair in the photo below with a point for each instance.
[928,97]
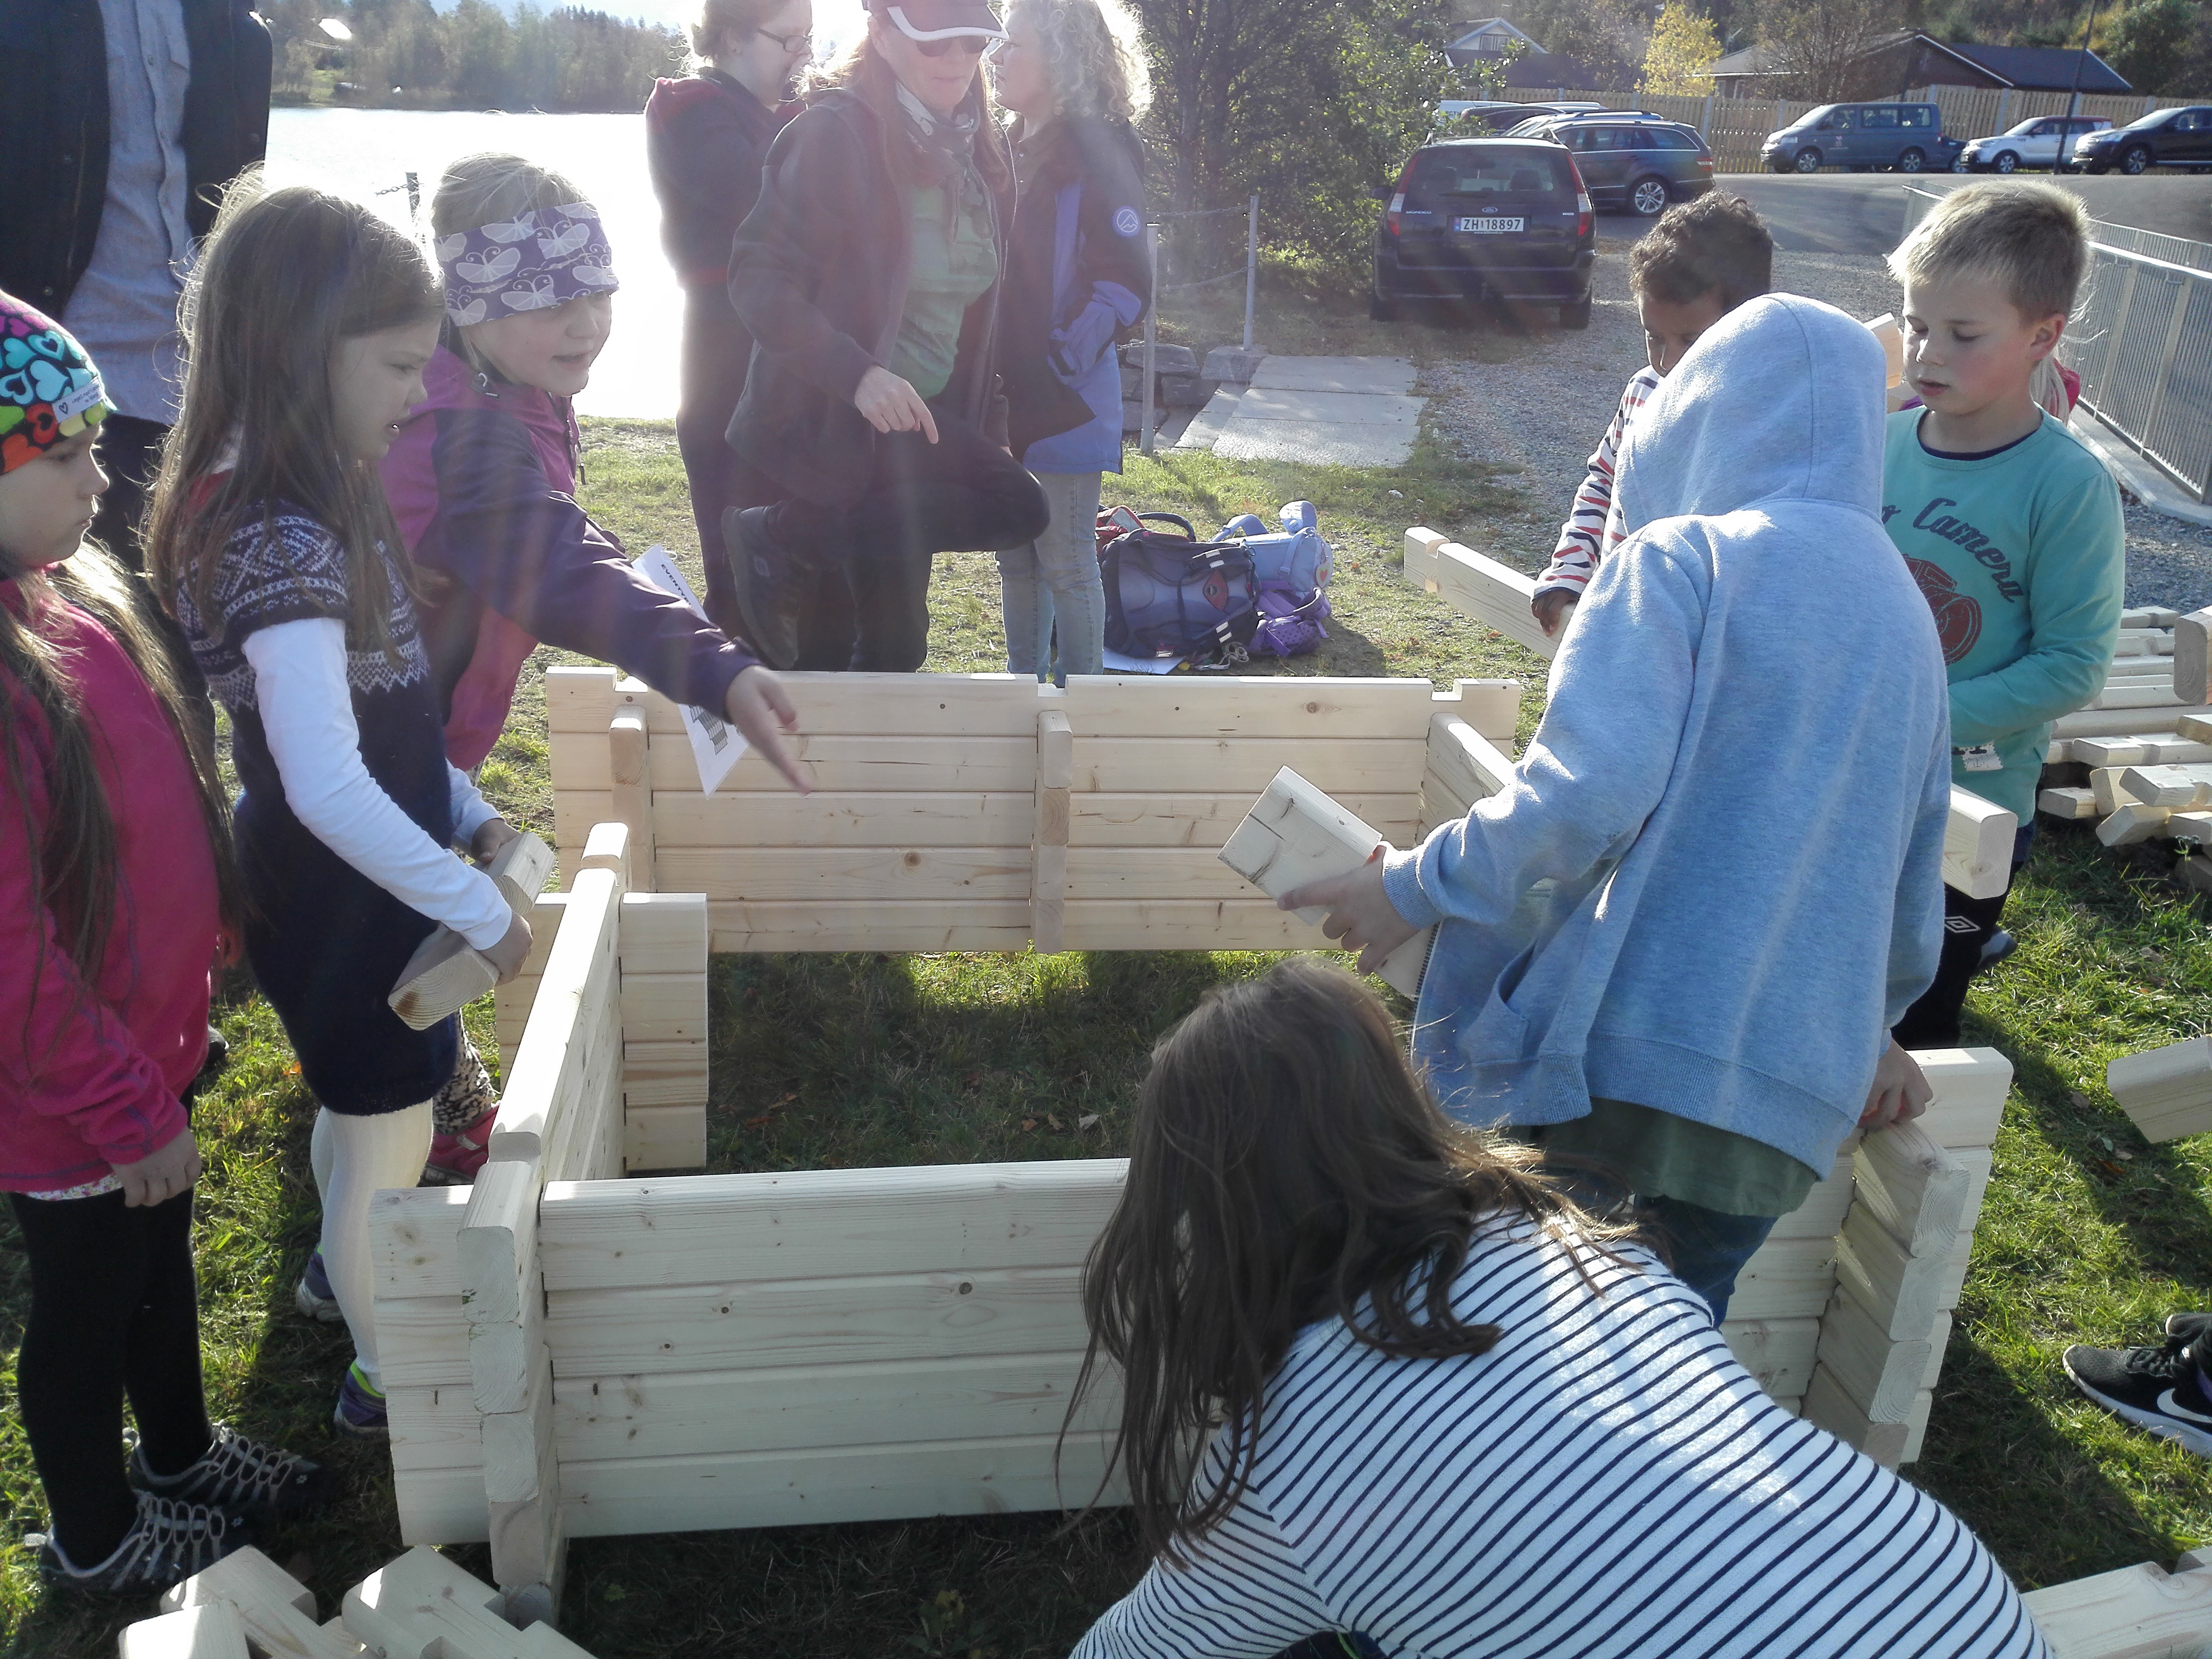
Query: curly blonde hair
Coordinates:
[1093,73]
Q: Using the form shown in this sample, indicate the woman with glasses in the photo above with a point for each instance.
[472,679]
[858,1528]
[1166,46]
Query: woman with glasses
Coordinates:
[706,137]
[1077,278]
[869,274]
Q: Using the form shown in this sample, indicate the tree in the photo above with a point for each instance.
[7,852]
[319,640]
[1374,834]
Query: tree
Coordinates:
[2151,42]
[1608,37]
[1684,42]
[1817,49]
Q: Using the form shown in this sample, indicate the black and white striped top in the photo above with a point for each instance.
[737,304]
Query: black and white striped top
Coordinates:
[1606,1483]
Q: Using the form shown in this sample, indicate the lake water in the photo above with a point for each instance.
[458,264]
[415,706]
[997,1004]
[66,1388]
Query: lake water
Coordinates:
[366,153]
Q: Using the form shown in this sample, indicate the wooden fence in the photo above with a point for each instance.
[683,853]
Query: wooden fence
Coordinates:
[1734,127]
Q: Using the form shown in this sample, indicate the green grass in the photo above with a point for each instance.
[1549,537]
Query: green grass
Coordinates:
[819,1061]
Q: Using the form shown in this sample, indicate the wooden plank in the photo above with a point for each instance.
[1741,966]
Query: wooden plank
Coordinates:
[580,698]
[579,978]
[2133,822]
[656,1074]
[1882,1376]
[1786,1279]
[863,764]
[211,1631]
[1821,1214]
[2134,1612]
[1468,766]
[1120,874]
[846,1484]
[2066,803]
[2170,750]
[414,1240]
[2128,749]
[826,818]
[2166,1093]
[953,875]
[815,1321]
[443,1506]
[924,925]
[522,1490]
[2179,785]
[891,705]
[607,847]
[1421,545]
[1977,843]
[1217,765]
[500,1297]
[1901,1292]
[1293,707]
[587,1146]
[1187,925]
[1912,1187]
[663,933]
[575,812]
[2119,693]
[423,1342]
[2106,790]
[1779,1353]
[1829,1406]
[666,1007]
[277,1611]
[1970,1085]
[711,1413]
[1205,820]
[824,1224]
[2192,661]
[1491,706]
[1050,879]
[434,1428]
[1494,594]
[664,1137]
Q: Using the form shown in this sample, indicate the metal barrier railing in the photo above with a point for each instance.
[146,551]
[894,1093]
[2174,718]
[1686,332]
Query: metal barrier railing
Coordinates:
[2141,339]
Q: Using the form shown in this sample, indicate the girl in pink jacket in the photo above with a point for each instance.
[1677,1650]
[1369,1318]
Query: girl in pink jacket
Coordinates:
[112,908]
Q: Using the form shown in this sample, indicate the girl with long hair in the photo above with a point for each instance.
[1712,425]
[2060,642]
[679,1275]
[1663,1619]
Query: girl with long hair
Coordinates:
[310,321]
[869,272]
[1077,279]
[706,137]
[117,898]
[1381,1378]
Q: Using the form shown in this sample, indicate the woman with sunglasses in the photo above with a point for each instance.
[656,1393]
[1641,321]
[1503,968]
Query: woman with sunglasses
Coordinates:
[869,274]
[706,137]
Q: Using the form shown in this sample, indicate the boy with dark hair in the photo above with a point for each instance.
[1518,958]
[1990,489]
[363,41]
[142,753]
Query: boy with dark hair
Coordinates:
[2010,526]
[1702,260]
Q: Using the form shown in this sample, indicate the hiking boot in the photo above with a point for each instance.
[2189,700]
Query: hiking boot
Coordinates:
[455,1159]
[241,1475]
[313,1297]
[169,1541]
[765,581]
[2155,1389]
[359,1409]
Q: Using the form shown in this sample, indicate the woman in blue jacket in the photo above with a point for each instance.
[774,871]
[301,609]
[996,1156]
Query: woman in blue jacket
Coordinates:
[1077,278]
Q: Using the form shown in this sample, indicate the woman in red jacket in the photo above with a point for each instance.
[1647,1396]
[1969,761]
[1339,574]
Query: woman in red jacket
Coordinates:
[114,901]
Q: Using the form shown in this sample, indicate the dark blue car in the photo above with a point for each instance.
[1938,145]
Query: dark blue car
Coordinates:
[1505,219]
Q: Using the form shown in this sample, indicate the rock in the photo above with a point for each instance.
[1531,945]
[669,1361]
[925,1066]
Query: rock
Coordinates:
[1166,359]
[1185,390]
[1234,363]
[1133,381]
[1133,417]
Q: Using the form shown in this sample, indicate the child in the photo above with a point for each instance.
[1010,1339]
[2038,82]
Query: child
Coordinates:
[113,883]
[2011,527]
[1702,260]
[1675,943]
[311,321]
[482,478]
[1452,1415]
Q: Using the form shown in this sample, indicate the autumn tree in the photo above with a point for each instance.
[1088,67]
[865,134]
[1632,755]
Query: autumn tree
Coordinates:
[1818,52]
[1684,42]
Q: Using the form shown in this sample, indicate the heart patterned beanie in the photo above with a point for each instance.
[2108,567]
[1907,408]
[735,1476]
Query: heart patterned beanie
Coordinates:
[49,389]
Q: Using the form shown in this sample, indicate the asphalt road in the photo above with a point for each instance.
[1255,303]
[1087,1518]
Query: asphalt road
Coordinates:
[1864,212]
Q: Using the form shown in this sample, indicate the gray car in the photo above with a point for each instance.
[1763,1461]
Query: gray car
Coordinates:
[1633,162]
[1907,137]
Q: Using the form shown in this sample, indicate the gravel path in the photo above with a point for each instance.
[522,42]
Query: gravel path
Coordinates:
[1542,410]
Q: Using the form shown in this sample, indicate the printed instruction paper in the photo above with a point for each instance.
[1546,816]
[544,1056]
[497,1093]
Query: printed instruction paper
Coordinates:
[715,744]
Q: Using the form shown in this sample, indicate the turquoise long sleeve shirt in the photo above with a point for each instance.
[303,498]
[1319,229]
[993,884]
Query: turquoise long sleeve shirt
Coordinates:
[2022,557]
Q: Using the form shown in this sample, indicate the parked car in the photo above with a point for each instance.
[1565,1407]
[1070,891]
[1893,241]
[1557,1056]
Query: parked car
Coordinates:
[1908,137]
[2044,141]
[1634,161]
[2164,138]
[1487,219]
[1492,116]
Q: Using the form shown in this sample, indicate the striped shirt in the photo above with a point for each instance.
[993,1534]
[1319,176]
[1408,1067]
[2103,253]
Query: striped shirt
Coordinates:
[1608,1481]
[1593,529]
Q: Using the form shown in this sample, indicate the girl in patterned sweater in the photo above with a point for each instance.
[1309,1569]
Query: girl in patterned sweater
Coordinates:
[311,321]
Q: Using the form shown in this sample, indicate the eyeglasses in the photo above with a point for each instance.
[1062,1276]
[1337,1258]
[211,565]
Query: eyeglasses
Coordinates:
[974,44]
[794,45]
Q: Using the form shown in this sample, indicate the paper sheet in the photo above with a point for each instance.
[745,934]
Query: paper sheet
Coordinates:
[715,744]
[1115,663]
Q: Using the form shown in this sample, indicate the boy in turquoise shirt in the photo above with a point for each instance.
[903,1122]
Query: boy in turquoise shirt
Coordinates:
[2010,526]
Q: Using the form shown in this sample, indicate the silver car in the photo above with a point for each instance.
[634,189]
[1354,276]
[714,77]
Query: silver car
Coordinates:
[2042,141]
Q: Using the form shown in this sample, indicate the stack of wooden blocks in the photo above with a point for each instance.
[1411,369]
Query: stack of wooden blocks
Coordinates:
[2134,1612]
[420,1607]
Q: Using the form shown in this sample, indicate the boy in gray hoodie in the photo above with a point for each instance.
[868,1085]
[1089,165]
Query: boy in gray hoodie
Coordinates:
[1675,942]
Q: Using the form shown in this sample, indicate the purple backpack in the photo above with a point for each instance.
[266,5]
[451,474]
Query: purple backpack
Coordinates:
[1293,567]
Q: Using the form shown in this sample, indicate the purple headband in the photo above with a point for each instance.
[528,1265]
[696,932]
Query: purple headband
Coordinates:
[542,259]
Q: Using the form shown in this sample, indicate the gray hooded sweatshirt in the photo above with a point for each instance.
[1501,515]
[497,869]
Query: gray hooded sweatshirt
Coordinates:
[1715,879]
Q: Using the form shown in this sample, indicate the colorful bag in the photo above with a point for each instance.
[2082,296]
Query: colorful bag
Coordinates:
[1293,567]
[1174,595]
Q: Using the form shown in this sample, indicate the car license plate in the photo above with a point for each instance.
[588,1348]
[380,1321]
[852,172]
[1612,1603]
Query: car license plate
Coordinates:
[1490,226]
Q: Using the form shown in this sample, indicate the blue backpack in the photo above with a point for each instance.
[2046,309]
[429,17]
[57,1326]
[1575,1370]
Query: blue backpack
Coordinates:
[1174,595]
[1293,567]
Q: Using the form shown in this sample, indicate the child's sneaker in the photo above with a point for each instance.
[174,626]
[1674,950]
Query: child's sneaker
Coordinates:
[313,1297]
[361,1407]
[2186,1327]
[240,1474]
[2155,1389]
[169,1541]
[455,1159]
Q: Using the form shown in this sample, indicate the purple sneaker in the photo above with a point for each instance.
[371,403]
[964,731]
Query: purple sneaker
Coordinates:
[361,1407]
[313,1297]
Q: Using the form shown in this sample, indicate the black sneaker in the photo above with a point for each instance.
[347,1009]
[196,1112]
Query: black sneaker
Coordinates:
[2188,1327]
[764,579]
[240,1474]
[2155,1389]
[1995,949]
[169,1542]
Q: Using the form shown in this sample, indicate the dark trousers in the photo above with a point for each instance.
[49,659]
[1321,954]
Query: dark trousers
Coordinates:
[114,1312]
[1968,923]
[1706,1249]
[963,493]
[716,351]
[129,452]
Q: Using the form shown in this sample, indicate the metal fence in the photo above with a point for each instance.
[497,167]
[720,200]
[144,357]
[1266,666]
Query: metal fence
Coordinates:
[2141,339]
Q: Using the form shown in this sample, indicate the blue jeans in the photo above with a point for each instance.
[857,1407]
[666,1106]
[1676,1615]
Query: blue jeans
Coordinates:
[1054,581]
[1708,1248]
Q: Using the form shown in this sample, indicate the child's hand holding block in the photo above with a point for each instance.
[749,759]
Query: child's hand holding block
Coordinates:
[445,974]
[1295,834]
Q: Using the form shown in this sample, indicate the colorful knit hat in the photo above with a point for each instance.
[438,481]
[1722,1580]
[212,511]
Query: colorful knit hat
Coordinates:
[49,389]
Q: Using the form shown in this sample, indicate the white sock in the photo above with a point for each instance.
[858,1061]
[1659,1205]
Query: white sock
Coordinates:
[354,1157]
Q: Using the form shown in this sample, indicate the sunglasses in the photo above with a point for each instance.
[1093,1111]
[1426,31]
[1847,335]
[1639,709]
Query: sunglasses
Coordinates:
[974,45]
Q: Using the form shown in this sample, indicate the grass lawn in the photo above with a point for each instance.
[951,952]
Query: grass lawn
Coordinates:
[2087,1235]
